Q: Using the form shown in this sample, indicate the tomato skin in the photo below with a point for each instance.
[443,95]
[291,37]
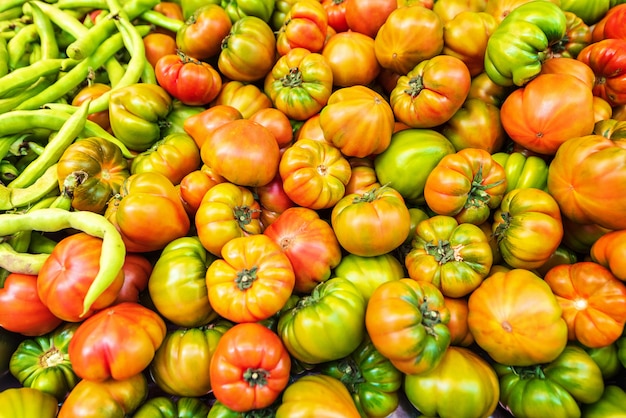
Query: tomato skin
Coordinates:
[368,16]
[593,302]
[367,273]
[93,91]
[372,223]
[431,93]
[310,244]
[177,284]
[407,322]
[193,82]
[460,334]
[21,309]
[305,26]
[590,13]
[276,122]
[243,152]
[336,13]
[181,363]
[326,325]
[610,403]
[68,272]
[245,97]
[137,269]
[28,402]
[523,171]
[448,9]
[516,319]
[483,88]
[158,45]
[162,406]
[476,384]
[351,58]
[204,31]
[527,216]
[201,125]
[409,35]
[453,256]
[476,124]
[609,251]
[314,173]
[194,186]
[605,57]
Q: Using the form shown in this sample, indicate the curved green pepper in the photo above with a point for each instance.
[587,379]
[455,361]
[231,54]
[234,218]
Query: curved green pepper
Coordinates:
[163,407]
[236,9]
[523,172]
[517,48]
[136,113]
[43,362]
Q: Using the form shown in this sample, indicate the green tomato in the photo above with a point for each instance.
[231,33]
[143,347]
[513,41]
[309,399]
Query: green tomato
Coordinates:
[367,273]
[460,375]
[190,6]
[43,363]
[27,402]
[219,410]
[326,325]
[9,342]
[607,359]
[411,156]
[175,120]
[162,407]
[371,379]
[554,389]
[611,404]
[523,172]
[589,11]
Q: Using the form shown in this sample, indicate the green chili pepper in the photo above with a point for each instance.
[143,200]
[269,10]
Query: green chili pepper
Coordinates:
[52,152]
[54,219]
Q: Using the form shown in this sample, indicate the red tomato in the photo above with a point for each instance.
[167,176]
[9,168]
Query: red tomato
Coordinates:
[118,342]
[272,196]
[306,26]
[615,25]
[250,368]
[193,82]
[158,45]
[243,152]
[336,12]
[367,16]
[21,310]
[66,275]
[137,269]
[607,59]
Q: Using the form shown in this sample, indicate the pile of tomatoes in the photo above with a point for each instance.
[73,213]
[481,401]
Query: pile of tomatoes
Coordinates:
[342,208]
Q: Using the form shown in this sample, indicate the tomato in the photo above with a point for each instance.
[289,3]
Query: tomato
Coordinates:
[163,407]
[204,31]
[578,167]
[607,359]
[300,83]
[590,13]
[460,334]
[465,37]
[145,200]
[466,185]
[581,237]
[372,223]
[28,402]
[527,227]
[248,51]
[177,285]
[172,10]
[605,57]
[367,16]
[93,91]
[193,187]
[409,36]
[319,395]
[453,256]
[314,173]
[174,156]
[367,273]
[602,110]
[449,9]
[305,26]
[277,122]
[66,275]
[336,13]
[201,125]
[272,200]
[363,177]
[554,389]
[252,281]
[326,325]
[157,45]
[219,410]
[371,379]
[97,167]
[311,129]
[181,364]
[354,139]
[483,88]
[614,25]
[610,403]
[516,319]
[108,399]
[43,363]
[21,309]
[593,302]
[461,374]
[407,322]
[133,333]
[547,122]
[250,367]
[226,211]
[609,251]
[578,35]
[137,269]
[193,82]
[562,255]
[245,97]
[432,92]
[411,155]
[310,244]
[351,58]
[476,124]
[243,152]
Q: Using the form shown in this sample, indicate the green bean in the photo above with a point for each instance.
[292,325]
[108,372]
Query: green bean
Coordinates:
[53,150]
[8,142]
[4,58]
[27,76]
[18,121]
[81,4]
[18,262]
[41,244]
[14,13]
[47,37]
[10,4]
[11,198]
[86,45]
[8,171]
[62,19]
[54,219]
[18,45]
[160,20]
[12,102]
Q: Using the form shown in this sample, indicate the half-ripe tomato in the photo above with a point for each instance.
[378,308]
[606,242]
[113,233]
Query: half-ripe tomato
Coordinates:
[363,176]
[310,244]
[448,9]
[66,275]
[609,250]
[367,16]
[252,280]
[277,122]
[193,82]
[21,309]
[409,36]
[460,334]
[351,58]
[250,367]
[158,45]
[201,125]
[476,124]
[245,97]
[243,152]
[432,92]
[203,32]
[367,273]
[606,58]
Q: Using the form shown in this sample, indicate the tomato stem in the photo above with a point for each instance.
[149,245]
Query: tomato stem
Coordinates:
[246,277]
[416,85]
[293,78]
[51,358]
[256,377]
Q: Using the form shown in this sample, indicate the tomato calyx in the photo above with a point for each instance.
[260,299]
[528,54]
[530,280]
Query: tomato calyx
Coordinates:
[369,195]
[416,85]
[352,375]
[430,318]
[478,196]
[293,78]
[243,214]
[51,358]
[443,252]
[501,228]
[246,277]
[528,372]
[255,377]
